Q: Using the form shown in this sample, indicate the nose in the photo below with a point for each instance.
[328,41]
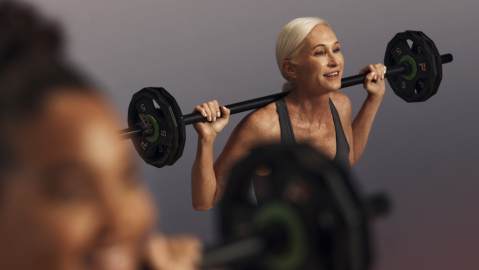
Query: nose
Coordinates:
[332,60]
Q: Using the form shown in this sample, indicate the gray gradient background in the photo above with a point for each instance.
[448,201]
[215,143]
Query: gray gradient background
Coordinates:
[424,155]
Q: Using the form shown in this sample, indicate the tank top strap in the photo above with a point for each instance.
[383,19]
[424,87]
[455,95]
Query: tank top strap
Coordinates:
[287,135]
[342,145]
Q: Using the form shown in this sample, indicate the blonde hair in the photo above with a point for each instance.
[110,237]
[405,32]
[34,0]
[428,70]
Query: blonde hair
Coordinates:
[289,40]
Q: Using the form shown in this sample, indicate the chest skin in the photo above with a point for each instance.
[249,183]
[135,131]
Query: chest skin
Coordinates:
[321,133]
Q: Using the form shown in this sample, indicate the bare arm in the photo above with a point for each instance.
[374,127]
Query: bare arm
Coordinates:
[203,178]
[208,178]
[362,124]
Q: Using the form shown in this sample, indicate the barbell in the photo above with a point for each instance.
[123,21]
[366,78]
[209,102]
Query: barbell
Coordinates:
[156,124]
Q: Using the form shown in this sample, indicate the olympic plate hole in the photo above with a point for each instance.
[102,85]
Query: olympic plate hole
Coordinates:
[419,87]
[409,43]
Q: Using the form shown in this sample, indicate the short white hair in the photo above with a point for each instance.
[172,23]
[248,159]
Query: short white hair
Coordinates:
[292,36]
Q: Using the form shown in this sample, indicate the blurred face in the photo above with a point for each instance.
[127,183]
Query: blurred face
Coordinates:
[319,62]
[74,200]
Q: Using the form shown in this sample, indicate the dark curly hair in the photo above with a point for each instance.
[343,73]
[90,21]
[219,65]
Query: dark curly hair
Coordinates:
[33,67]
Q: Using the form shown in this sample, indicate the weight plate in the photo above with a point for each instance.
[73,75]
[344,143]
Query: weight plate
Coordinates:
[321,217]
[411,49]
[150,109]
[180,133]
[438,65]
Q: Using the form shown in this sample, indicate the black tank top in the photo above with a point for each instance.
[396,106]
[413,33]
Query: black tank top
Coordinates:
[287,135]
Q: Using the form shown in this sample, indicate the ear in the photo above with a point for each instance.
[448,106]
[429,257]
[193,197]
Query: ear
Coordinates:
[290,69]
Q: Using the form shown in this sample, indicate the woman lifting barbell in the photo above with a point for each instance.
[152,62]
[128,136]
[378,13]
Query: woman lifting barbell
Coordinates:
[309,57]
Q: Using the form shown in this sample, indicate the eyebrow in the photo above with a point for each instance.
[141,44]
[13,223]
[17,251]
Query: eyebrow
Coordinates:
[324,45]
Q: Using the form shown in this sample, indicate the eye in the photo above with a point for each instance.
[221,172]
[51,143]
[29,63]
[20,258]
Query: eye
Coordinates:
[319,53]
[337,50]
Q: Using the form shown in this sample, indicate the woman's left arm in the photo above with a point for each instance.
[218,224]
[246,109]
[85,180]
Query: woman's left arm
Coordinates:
[362,124]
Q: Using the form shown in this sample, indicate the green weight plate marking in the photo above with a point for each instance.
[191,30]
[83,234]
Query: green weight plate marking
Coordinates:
[156,129]
[284,215]
[407,59]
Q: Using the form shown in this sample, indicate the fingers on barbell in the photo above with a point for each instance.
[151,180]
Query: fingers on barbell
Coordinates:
[368,70]
[211,110]
[225,112]
[215,109]
[371,76]
[380,70]
[200,109]
[218,109]
[375,72]
[208,111]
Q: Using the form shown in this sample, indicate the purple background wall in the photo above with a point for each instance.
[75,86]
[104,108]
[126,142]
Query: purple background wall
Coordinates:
[425,155]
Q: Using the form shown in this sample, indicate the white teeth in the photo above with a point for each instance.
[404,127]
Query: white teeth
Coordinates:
[332,74]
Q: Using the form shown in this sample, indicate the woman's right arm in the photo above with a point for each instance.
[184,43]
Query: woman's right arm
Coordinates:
[207,176]
[203,178]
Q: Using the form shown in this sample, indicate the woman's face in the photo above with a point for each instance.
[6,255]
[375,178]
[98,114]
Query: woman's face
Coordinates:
[74,200]
[319,62]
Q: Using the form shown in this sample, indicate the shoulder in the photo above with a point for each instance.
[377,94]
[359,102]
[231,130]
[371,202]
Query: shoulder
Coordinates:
[341,102]
[261,123]
[340,99]
[256,128]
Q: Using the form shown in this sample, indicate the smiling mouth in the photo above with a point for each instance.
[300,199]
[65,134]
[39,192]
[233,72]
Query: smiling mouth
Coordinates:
[332,75]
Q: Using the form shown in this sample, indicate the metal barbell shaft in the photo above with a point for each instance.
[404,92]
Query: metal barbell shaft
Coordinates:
[259,102]
[128,132]
[251,247]
[233,252]
[251,104]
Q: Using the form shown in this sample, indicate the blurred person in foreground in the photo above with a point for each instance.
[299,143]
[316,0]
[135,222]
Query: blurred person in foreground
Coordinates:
[71,197]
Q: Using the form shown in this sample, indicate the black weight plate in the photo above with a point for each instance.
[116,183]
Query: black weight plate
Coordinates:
[438,65]
[298,189]
[396,49]
[179,128]
[179,123]
[172,146]
[427,68]
[150,108]
[422,82]
[411,48]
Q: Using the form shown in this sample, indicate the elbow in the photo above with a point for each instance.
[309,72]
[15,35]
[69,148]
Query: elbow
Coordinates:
[202,207]
[204,204]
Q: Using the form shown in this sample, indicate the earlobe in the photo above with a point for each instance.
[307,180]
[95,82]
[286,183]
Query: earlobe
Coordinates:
[289,69]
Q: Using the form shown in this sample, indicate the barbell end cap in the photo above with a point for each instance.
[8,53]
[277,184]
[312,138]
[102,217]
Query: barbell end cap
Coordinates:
[446,58]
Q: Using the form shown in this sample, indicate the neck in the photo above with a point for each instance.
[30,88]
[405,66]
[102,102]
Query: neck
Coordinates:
[310,104]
